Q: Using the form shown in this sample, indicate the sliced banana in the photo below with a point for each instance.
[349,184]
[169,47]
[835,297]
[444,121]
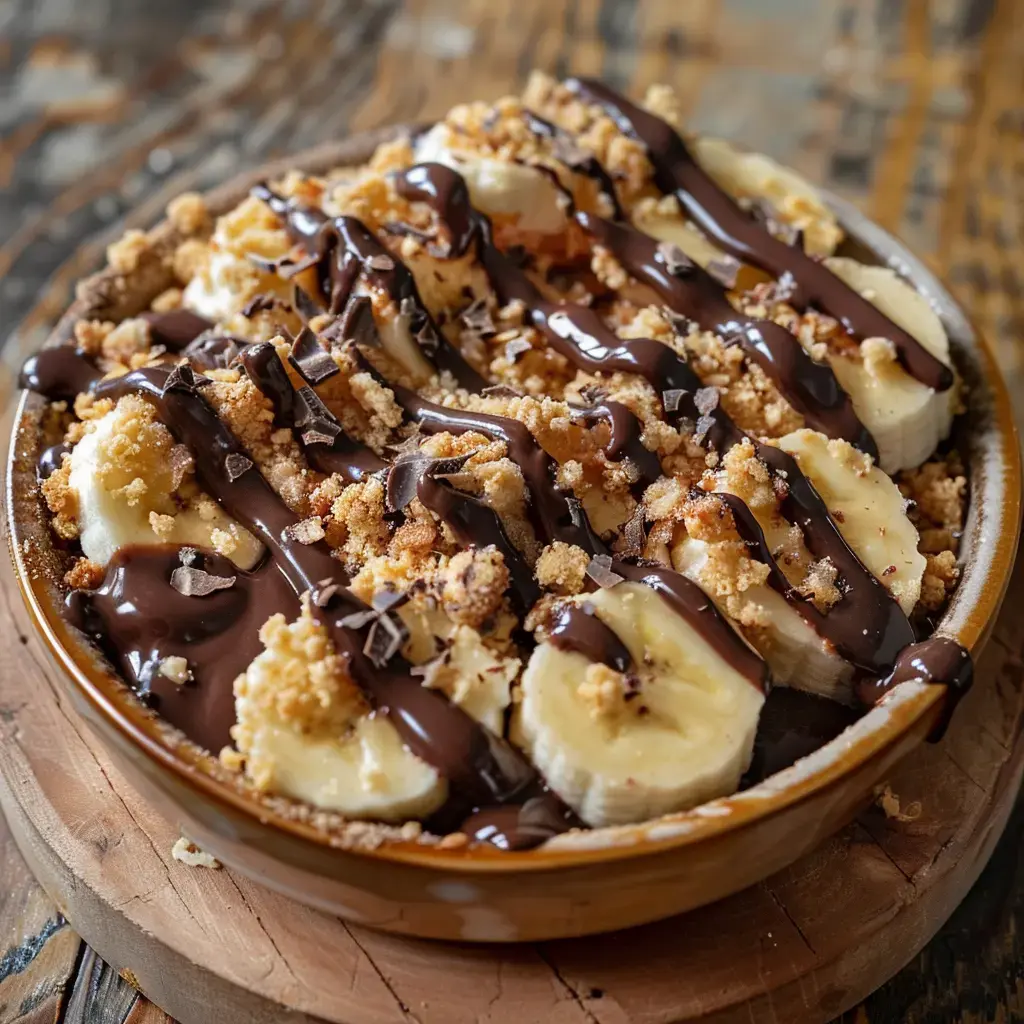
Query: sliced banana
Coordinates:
[619,750]
[797,656]
[669,225]
[306,733]
[868,509]
[795,200]
[469,672]
[123,479]
[498,186]
[907,419]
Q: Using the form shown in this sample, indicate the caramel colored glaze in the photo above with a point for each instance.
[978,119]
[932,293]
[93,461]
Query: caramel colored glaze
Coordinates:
[810,387]
[139,619]
[349,249]
[326,452]
[59,373]
[725,222]
[577,628]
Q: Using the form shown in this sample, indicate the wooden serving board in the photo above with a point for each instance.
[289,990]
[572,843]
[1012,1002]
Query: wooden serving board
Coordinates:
[210,945]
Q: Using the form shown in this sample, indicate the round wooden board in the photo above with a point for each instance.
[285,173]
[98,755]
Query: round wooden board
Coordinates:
[211,945]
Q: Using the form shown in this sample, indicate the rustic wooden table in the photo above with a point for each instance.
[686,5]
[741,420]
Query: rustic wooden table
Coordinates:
[914,109]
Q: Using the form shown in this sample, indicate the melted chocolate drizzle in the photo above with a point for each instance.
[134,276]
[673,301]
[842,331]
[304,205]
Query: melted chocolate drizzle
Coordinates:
[141,619]
[482,768]
[59,373]
[720,217]
[576,627]
[809,386]
[317,432]
[347,248]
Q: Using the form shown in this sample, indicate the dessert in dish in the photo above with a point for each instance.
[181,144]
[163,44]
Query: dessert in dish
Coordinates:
[485,490]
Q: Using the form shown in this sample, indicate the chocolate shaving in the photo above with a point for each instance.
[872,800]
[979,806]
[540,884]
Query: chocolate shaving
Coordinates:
[308,356]
[634,532]
[477,318]
[706,400]
[575,507]
[182,463]
[385,640]
[381,262]
[356,620]
[502,391]
[314,415]
[356,324]
[305,305]
[385,600]
[681,324]
[672,398]
[190,582]
[181,378]
[404,478]
[315,437]
[515,348]
[600,571]
[593,393]
[306,531]
[262,303]
[235,465]
[677,263]
[724,269]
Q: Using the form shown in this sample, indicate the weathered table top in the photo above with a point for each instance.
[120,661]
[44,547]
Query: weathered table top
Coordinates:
[914,109]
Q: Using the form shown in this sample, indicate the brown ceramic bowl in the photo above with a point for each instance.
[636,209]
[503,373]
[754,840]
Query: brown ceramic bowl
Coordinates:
[584,882]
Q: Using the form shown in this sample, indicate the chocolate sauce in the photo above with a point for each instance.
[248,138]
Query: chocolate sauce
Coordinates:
[213,351]
[352,249]
[577,628]
[483,769]
[475,524]
[139,619]
[810,387]
[625,440]
[575,158]
[59,373]
[690,602]
[176,328]
[725,222]
[50,461]
[867,626]
[523,827]
[317,432]
[938,659]
[551,511]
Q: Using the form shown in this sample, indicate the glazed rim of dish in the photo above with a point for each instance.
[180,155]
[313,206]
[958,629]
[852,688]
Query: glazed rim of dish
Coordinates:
[988,443]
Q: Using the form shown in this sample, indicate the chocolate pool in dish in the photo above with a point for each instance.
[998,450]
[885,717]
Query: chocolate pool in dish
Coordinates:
[490,486]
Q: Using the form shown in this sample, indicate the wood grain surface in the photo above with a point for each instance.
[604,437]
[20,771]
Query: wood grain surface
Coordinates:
[914,109]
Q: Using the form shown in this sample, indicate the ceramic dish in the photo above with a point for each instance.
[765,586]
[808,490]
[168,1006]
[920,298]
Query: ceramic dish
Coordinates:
[581,882]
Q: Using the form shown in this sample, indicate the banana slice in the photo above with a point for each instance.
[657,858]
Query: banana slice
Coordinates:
[620,749]
[907,419]
[498,186]
[868,509]
[306,733]
[123,478]
[797,656]
[795,200]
